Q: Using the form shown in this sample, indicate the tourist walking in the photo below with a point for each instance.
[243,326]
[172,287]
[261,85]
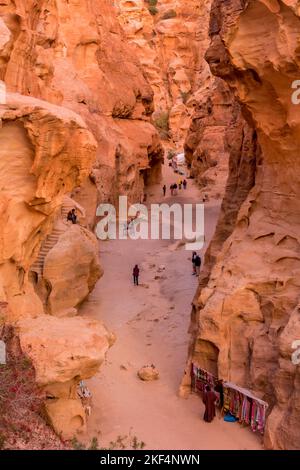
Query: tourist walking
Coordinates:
[194,255]
[175,189]
[136,273]
[197,265]
[184,183]
[164,189]
[209,399]
[172,189]
[72,217]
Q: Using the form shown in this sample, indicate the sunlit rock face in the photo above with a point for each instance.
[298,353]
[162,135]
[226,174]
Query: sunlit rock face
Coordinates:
[246,313]
[75,54]
[76,121]
[170,44]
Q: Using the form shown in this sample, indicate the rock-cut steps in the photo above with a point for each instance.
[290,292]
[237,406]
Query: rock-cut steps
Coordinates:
[47,245]
[52,239]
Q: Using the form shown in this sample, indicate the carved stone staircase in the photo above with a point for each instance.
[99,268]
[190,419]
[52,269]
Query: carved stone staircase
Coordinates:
[47,245]
[59,228]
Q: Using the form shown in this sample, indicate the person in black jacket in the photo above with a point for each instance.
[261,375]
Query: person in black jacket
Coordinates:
[72,216]
[193,262]
[197,265]
[136,273]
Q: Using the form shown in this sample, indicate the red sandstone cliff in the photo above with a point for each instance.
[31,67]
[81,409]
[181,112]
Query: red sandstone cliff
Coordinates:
[77,116]
[246,313]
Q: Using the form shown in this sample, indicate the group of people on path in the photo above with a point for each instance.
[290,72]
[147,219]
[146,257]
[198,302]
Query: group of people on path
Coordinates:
[174,187]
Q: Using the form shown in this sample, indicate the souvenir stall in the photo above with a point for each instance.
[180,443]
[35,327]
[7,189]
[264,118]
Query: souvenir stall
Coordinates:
[244,406]
[200,378]
[237,403]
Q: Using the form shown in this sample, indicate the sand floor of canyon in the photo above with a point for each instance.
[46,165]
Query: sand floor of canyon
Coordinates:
[151,325]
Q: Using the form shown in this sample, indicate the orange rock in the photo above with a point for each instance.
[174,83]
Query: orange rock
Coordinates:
[256,247]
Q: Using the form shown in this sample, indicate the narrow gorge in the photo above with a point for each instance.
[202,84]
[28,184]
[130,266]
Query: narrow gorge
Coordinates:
[97,98]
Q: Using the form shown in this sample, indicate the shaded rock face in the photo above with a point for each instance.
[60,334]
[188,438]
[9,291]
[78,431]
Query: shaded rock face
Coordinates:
[206,145]
[45,151]
[170,47]
[246,315]
[74,54]
[87,129]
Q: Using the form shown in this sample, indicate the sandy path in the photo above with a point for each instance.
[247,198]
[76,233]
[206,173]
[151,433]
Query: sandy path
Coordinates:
[151,323]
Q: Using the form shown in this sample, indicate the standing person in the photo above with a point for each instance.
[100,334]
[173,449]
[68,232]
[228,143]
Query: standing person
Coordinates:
[209,398]
[175,189]
[193,262]
[219,390]
[164,189]
[72,216]
[180,184]
[197,264]
[184,184]
[136,273]
[172,189]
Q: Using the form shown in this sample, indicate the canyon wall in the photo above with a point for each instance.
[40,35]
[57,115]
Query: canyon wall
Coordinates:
[246,311]
[74,54]
[169,44]
[76,122]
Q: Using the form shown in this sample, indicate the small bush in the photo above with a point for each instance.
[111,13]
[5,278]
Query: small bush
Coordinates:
[152,7]
[185,96]
[171,154]
[153,10]
[94,444]
[77,445]
[169,14]
[162,121]
[127,442]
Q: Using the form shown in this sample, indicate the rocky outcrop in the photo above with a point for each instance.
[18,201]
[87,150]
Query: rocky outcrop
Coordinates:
[69,281]
[73,59]
[168,43]
[63,353]
[45,151]
[148,373]
[245,318]
[206,147]
[75,55]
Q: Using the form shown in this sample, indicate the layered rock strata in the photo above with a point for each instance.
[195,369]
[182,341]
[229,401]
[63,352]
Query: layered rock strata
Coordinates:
[246,315]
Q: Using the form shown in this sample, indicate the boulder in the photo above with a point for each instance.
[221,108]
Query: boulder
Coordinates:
[148,373]
[71,270]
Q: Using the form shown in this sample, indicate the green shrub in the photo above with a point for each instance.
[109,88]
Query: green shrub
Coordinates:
[171,154]
[185,96]
[94,444]
[169,14]
[162,121]
[153,10]
[152,6]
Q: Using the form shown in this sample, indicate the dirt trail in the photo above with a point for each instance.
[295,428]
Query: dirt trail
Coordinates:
[151,323]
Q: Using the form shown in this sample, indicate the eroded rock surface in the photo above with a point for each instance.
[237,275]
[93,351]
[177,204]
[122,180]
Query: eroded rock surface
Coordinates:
[246,313]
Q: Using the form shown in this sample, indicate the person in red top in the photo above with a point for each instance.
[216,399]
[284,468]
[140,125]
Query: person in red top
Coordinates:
[136,273]
[209,399]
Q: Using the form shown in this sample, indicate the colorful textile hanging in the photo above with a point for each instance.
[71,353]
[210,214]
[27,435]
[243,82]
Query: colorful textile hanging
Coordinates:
[244,406]
[237,401]
[201,377]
